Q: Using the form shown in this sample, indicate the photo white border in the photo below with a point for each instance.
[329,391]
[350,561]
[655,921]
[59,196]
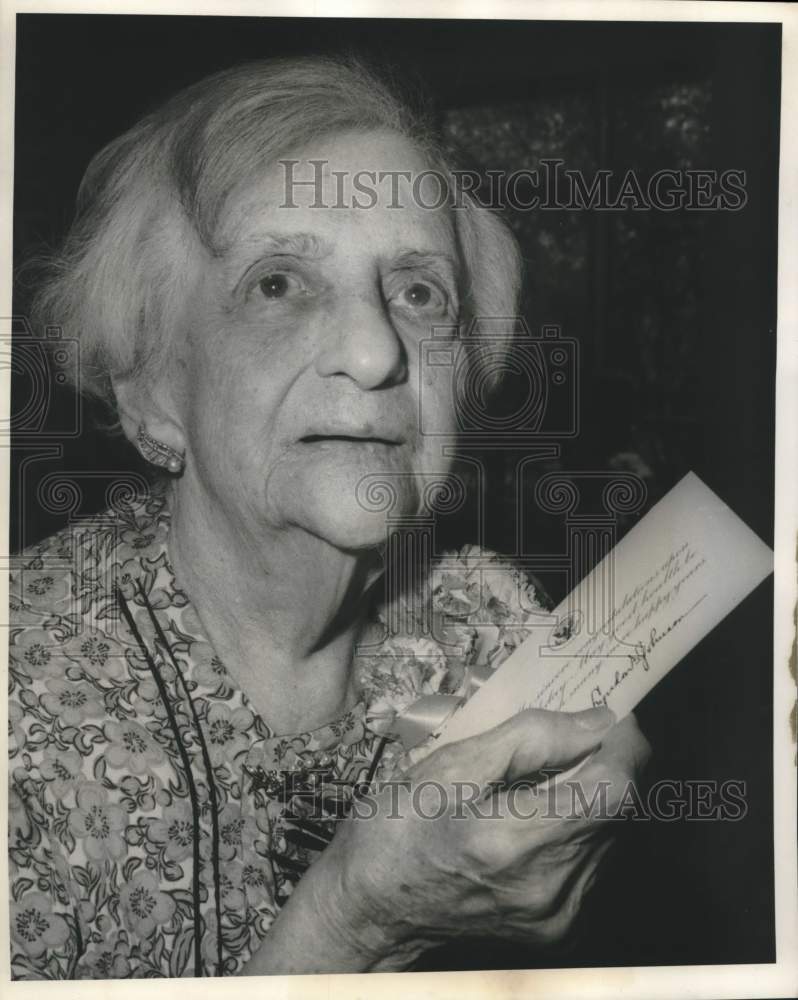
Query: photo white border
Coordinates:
[690,982]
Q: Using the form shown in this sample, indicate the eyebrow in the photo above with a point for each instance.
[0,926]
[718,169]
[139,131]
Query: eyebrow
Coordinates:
[407,259]
[296,244]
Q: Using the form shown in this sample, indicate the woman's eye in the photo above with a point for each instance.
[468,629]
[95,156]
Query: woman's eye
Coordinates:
[420,295]
[278,285]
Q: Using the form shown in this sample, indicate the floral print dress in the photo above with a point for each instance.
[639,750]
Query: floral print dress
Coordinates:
[157,824]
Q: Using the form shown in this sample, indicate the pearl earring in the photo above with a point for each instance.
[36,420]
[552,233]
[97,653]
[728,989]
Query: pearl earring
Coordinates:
[158,453]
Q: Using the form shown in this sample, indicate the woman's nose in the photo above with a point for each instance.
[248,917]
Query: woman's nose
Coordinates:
[365,346]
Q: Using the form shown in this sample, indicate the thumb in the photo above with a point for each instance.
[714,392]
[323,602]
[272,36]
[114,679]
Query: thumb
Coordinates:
[555,740]
[527,743]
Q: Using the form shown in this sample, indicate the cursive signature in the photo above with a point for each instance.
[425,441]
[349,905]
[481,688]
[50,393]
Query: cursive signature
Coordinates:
[599,695]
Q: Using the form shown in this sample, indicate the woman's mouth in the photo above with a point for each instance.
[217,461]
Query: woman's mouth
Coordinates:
[348,439]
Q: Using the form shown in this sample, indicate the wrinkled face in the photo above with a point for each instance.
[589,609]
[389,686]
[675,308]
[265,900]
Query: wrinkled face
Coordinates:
[300,369]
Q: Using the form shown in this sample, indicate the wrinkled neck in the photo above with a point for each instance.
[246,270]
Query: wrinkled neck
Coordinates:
[283,609]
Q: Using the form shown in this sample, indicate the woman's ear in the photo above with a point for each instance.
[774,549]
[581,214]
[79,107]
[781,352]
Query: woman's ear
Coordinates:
[146,419]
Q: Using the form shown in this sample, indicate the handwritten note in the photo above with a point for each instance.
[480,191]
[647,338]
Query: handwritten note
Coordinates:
[666,584]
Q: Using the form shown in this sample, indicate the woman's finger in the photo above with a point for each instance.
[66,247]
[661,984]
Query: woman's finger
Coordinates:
[528,743]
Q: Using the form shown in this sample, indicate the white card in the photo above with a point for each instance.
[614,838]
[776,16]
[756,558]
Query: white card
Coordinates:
[663,587]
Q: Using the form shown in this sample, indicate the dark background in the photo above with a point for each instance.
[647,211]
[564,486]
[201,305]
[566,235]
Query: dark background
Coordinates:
[674,314]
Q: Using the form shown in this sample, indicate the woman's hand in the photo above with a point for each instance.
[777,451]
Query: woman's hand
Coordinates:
[394,883]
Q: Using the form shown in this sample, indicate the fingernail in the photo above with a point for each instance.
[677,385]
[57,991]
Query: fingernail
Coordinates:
[595,718]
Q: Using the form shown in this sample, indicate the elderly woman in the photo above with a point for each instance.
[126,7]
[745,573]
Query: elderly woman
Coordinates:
[201,677]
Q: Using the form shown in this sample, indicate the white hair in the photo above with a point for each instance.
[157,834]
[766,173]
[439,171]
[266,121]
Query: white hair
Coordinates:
[120,278]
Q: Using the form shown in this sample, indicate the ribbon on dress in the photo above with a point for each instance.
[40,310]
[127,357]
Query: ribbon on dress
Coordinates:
[427,714]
